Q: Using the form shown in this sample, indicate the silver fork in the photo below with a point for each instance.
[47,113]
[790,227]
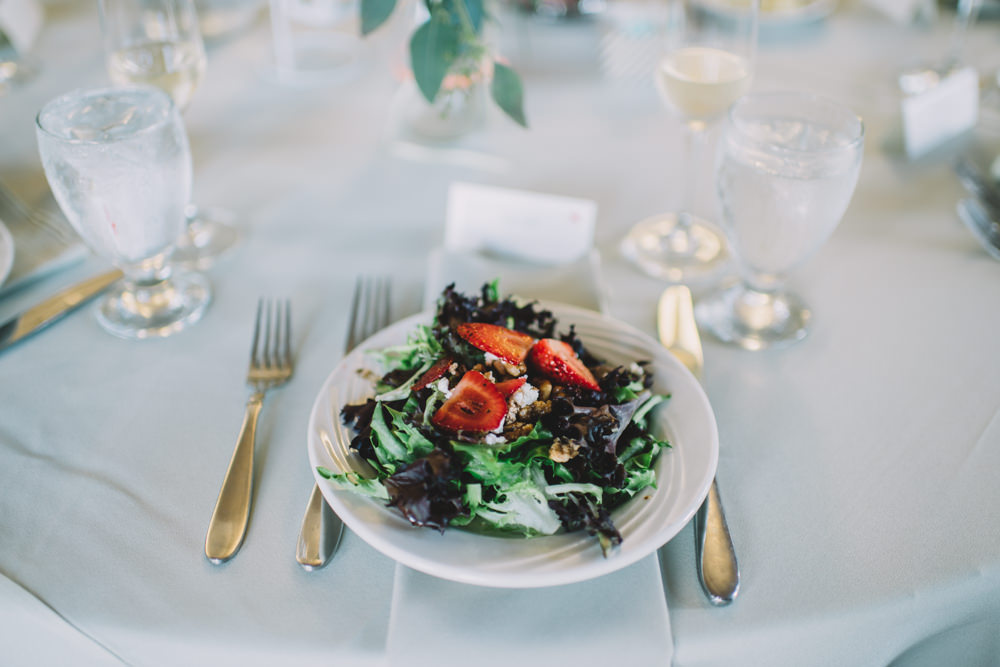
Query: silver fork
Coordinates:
[321,528]
[42,218]
[270,367]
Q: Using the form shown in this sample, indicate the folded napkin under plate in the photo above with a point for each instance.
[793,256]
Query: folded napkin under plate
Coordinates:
[576,283]
[591,623]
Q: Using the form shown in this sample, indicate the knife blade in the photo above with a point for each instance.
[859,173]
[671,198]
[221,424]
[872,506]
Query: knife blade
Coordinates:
[718,570]
[41,315]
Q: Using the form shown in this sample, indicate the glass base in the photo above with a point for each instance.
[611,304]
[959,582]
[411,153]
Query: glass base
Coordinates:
[209,234]
[677,248]
[753,320]
[157,310]
[16,71]
[329,58]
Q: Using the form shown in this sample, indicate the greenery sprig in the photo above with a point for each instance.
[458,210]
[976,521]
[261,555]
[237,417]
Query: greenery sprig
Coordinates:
[451,39]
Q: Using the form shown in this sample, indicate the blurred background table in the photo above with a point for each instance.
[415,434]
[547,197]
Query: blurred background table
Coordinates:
[858,467]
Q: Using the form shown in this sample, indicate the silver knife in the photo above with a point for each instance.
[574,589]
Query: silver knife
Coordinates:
[39,316]
[718,571]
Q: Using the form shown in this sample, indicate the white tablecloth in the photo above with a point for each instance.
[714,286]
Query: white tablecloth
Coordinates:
[858,467]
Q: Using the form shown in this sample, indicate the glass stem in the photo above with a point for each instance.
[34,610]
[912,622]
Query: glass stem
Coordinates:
[966,12]
[694,140]
[147,286]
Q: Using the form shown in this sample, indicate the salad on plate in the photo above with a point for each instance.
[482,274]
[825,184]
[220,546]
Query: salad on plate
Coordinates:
[491,420]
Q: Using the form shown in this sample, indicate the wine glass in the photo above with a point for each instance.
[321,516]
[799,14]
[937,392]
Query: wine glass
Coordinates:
[706,65]
[119,164]
[787,169]
[157,42]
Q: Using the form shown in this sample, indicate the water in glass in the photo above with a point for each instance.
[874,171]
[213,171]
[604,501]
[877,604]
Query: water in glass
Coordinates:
[119,165]
[788,166]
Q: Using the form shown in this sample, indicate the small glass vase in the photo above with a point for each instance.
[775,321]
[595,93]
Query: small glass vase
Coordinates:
[458,109]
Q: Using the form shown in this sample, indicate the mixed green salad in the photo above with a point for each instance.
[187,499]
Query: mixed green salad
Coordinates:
[491,420]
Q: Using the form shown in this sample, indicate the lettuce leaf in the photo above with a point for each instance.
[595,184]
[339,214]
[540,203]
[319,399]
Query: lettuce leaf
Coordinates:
[372,488]
[427,491]
[521,507]
[420,348]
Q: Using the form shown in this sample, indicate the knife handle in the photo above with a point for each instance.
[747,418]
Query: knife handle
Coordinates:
[718,570]
[52,309]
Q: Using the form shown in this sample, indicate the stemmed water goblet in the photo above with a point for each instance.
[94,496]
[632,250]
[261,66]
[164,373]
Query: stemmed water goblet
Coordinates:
[707,64]
[788,166]
[158,43]
[119,164]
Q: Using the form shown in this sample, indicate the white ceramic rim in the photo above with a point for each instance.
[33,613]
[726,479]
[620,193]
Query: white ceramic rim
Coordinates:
[646,522]
[6,252]
[803,12]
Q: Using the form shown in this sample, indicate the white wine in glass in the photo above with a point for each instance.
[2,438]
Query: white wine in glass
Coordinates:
[158,43]
[703,81]
[706,66]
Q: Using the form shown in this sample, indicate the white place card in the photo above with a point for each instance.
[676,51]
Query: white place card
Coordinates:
[517,224]
[21,21]
[943,112]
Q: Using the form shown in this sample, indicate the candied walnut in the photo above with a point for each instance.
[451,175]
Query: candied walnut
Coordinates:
[563,450]
[533,411]
[544,390]
[511,370]
[516,429]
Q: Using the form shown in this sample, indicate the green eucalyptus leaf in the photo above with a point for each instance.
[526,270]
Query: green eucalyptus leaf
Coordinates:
[473,9]
[433,49]
[478,12]
[508,93]
[374,13]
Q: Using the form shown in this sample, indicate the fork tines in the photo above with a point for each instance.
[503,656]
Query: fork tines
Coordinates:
[369,309]
[275,352]
[46,220]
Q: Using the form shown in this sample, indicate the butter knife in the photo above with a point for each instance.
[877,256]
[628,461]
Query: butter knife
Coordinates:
[39,316]
[718,570]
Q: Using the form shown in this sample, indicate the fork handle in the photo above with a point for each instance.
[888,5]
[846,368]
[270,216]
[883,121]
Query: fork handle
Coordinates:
[232,509]
[320,533]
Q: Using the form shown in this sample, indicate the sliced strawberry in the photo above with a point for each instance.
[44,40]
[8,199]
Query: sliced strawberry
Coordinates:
[433,374]
[508,387]
[557,361]
[511,346]
[475,404]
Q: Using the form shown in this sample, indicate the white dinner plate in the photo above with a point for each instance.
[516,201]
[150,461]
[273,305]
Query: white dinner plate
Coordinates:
[6,252]
[649,520]
[777,12]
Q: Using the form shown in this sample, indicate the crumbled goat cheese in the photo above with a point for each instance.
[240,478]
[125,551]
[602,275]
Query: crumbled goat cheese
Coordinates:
[494,439]
[525,395]
[522,398]
[442,386]
[636,369]
[489,358]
